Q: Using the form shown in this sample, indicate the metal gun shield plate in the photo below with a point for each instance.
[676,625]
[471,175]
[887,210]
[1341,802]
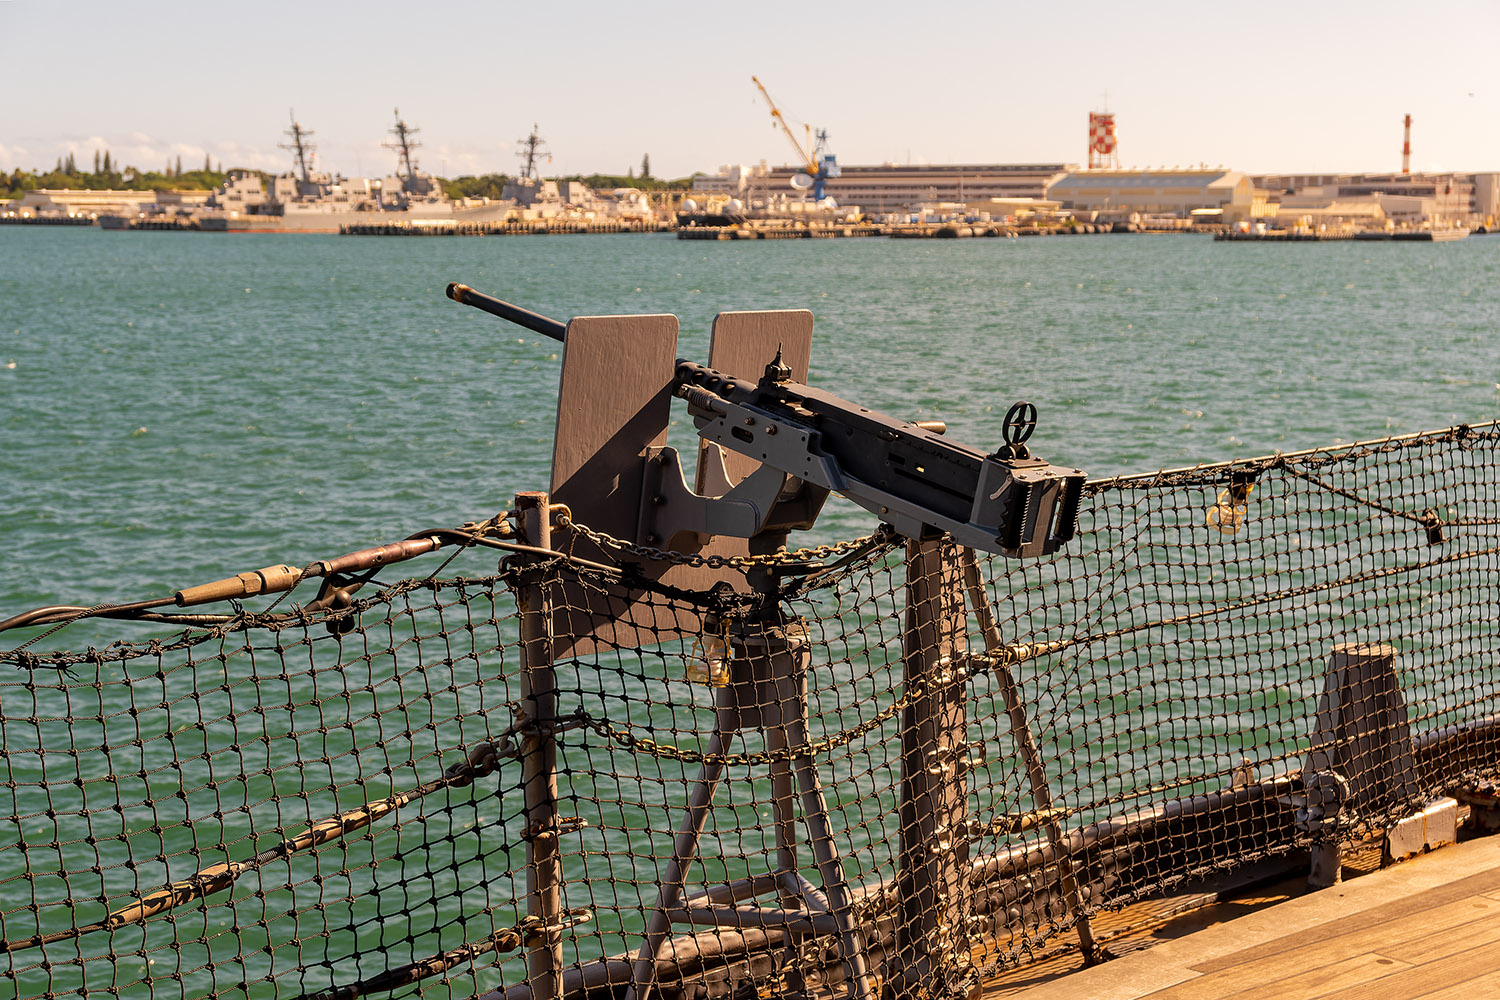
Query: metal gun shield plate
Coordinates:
[613,407]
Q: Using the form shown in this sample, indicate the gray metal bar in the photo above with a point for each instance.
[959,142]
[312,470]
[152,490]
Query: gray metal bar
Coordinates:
[721,893]
[930,946]
[544,958]
[1020,730]
[783,811]
[671,888]
[825,852]
[795,884]
[756,916]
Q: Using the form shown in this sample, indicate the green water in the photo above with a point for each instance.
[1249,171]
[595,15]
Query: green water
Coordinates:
[175,406]
[184,406]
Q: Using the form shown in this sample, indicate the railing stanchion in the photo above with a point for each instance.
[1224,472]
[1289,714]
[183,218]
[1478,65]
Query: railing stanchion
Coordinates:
[931,928]
[544,957]
[1020,731]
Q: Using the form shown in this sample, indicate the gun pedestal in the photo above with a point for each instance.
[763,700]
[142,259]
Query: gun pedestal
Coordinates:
[766,691]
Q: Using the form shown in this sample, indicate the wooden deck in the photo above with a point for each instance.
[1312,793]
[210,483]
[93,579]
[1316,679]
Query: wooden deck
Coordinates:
[1428,928]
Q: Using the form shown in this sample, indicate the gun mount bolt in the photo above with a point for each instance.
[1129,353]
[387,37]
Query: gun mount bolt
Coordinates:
[770,428]
[749,421]
[659,500]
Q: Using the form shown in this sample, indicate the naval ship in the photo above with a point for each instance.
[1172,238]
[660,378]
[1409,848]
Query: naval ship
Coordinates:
[307,200]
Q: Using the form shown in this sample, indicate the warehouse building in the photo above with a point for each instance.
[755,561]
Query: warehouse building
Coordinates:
[1177,193]
[1447,199]
[891,187]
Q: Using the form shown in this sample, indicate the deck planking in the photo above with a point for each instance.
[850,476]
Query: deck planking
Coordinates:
[1426,929]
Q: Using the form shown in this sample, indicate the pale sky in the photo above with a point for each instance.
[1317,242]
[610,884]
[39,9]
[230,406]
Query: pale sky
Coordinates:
[1263,87]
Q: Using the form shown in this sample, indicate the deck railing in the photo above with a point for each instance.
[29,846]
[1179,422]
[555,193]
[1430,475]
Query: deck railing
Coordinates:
[887,767]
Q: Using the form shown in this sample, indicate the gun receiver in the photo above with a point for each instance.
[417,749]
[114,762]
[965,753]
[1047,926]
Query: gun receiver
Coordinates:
[919,482]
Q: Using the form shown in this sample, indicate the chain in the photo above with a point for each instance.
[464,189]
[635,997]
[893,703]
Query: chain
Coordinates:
[668,751]
[790,557]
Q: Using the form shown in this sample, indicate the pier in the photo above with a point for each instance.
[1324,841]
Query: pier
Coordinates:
[547,227]
[772,229]
[1333,236]
[46,220]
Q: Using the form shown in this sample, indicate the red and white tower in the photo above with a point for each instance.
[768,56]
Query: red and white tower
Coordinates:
[1102,145]
[1406,149]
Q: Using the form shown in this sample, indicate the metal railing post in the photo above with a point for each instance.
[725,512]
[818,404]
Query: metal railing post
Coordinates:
[931,935]
[544,956]
[1020,731]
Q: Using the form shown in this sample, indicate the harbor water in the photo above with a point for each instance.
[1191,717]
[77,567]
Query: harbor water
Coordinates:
[176,407]
[181,407]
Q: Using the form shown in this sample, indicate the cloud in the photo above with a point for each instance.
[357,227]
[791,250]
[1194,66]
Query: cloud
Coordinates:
[141,150]
[12,156]
[459,160]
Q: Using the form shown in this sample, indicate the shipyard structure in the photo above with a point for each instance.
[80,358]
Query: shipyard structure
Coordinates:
[1176,197]
[309,200]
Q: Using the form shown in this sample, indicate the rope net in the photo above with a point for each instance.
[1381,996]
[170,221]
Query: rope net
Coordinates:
[900,767]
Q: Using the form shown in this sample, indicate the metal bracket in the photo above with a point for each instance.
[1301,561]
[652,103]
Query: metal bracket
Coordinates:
[673,516]
[1317,808]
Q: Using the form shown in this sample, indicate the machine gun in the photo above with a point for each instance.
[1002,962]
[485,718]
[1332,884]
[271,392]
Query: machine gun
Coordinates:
[810,443]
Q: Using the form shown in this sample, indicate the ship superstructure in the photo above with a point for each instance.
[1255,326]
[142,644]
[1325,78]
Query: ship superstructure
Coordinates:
[408,188]
[306,199]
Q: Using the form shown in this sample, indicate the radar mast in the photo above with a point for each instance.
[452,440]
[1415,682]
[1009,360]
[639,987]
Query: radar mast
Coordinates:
[403,146]
[300,146]
[531,151]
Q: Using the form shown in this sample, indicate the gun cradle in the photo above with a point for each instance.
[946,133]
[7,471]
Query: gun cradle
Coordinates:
[917,481]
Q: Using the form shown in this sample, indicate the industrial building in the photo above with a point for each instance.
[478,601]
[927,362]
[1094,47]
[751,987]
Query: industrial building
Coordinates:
[71,202]
[1229,195]
[891,187]
[1436,200]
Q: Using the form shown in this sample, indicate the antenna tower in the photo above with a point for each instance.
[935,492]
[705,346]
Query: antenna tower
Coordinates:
[299,145]
[1406,149]
[532,149]
[1103,149]
[403,145]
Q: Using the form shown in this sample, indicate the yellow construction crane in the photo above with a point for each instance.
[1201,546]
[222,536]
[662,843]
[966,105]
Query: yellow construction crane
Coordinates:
[815,168]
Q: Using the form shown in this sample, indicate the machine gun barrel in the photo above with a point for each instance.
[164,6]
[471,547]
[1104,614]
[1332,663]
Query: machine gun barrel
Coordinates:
[535,322]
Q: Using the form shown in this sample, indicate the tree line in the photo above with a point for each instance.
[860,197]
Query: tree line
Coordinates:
[111,175]
[108,174]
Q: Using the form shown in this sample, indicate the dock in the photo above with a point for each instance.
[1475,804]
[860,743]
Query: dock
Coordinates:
[539,227]
[1428,927]
[1373,235]
[779,230]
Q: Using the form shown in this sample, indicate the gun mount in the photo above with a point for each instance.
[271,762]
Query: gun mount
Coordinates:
[809,442]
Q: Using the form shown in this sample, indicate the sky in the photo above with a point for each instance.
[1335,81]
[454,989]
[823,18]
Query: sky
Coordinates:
[1262,87]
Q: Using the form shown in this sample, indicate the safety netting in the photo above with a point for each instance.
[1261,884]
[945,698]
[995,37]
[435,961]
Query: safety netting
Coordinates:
[880,766]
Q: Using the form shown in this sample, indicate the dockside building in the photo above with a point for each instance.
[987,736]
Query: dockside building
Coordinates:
[1457,199]
[893,187]
[1176,193]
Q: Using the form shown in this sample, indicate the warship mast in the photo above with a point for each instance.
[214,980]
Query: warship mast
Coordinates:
[403,146]
[532,149]
[300,146]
